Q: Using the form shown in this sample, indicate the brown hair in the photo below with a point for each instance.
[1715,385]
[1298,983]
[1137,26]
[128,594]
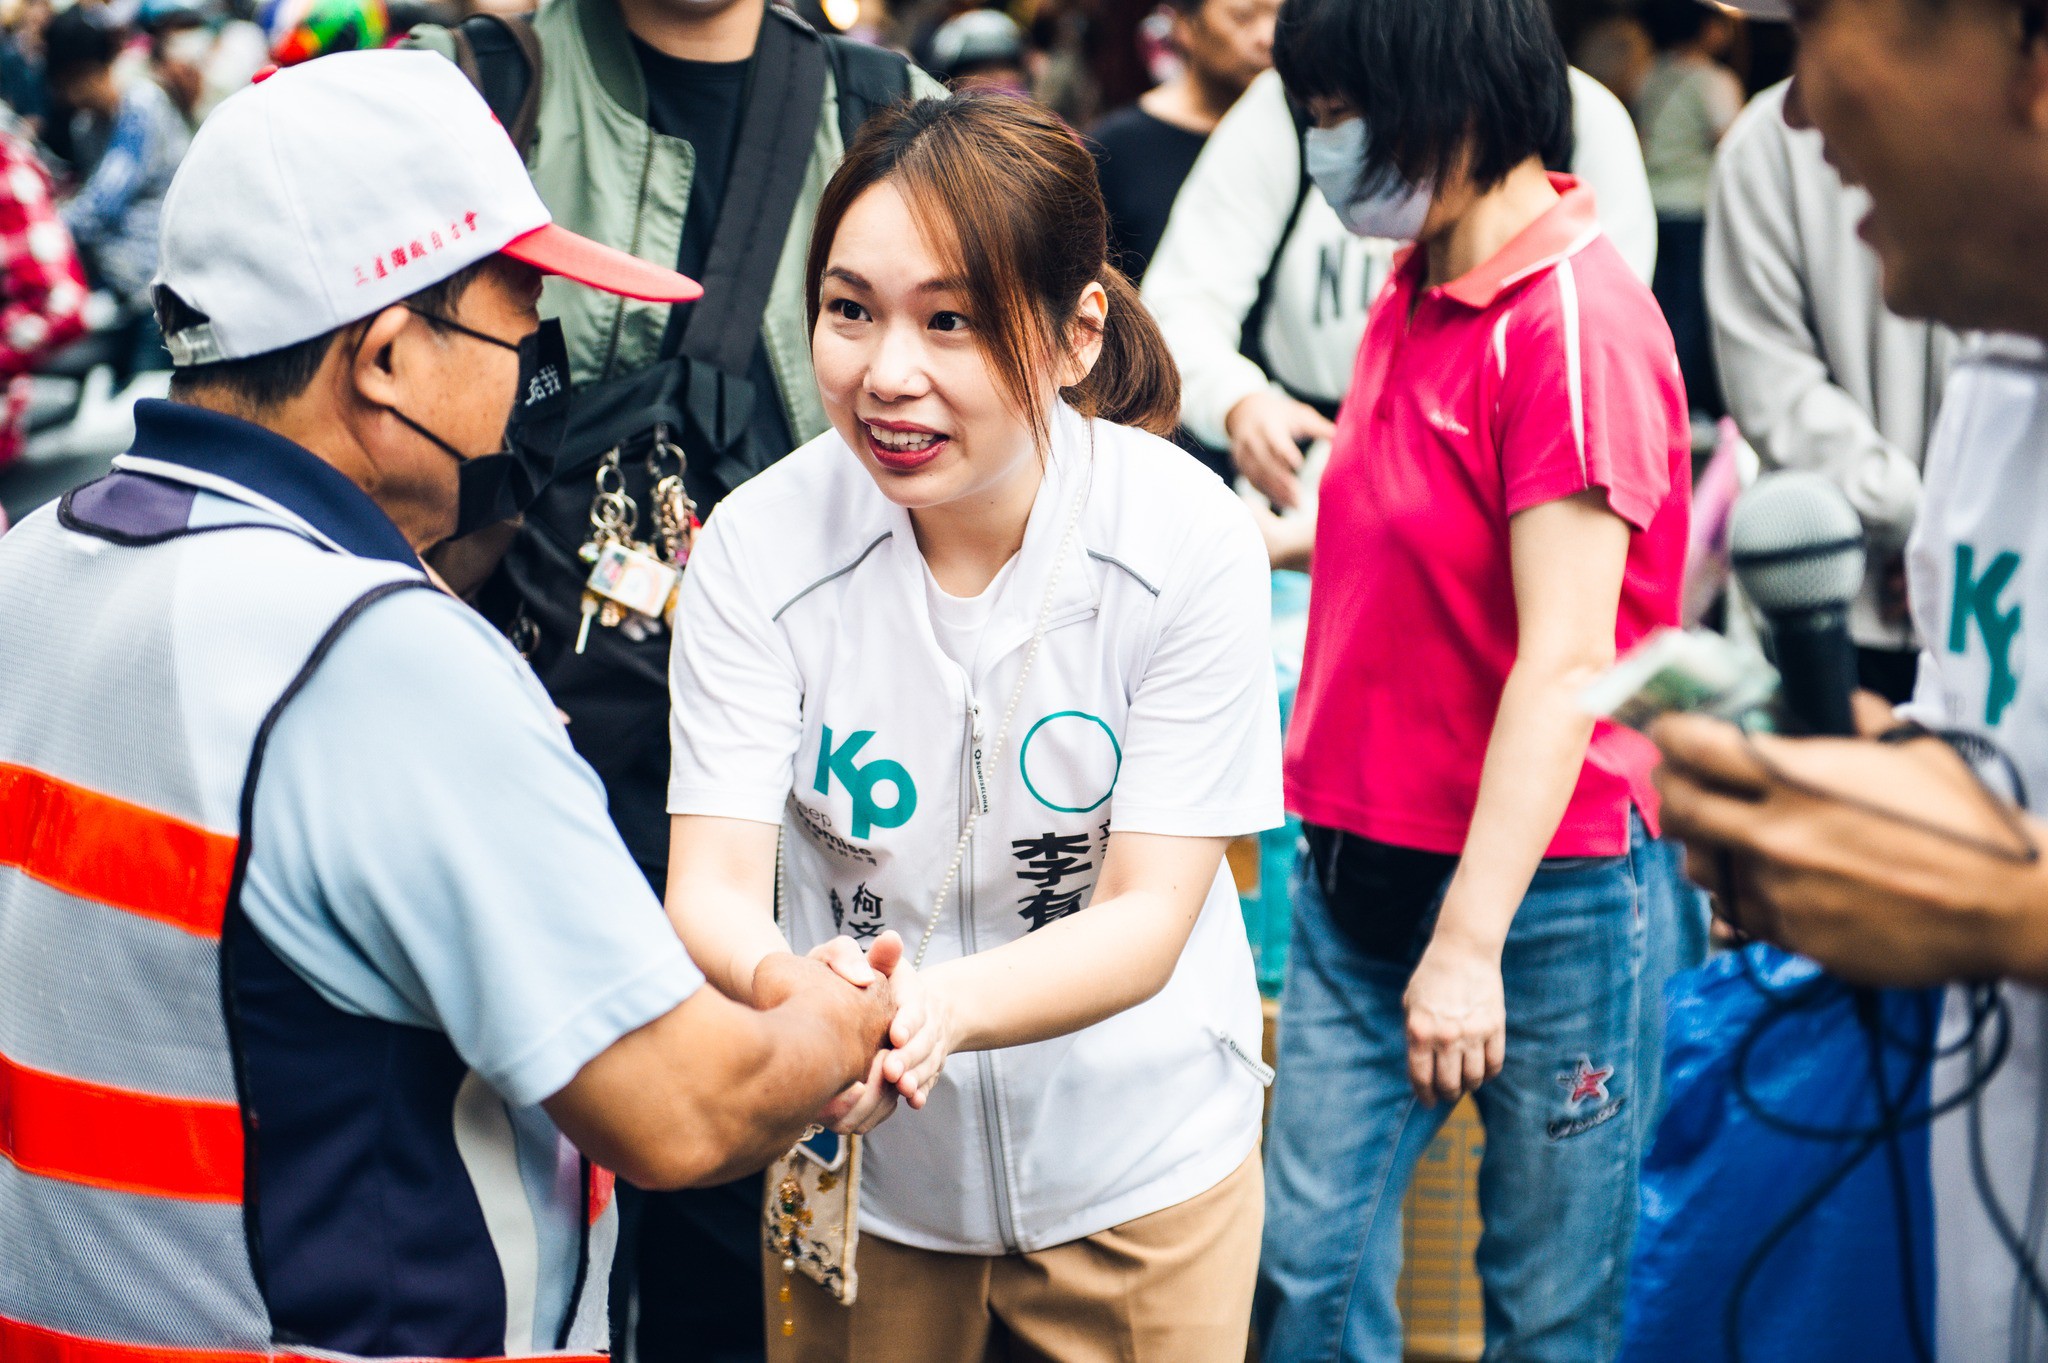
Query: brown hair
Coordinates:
[1001,187]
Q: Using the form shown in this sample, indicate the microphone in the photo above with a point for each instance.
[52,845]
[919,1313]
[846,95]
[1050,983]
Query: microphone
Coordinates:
[1797,546]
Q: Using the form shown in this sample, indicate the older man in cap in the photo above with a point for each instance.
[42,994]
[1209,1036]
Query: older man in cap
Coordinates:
[328,992]
[1889,863]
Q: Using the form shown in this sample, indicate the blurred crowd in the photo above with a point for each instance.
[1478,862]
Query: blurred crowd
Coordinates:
[1262,294]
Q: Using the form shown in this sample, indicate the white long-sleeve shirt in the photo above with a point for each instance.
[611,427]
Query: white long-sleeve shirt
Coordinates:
[1234,211]
[1818,373]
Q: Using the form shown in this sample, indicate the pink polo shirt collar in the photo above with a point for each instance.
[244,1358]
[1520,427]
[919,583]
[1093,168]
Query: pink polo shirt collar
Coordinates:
[1568,228]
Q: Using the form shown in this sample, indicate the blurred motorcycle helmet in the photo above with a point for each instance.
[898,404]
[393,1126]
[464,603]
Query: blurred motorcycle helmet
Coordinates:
[300,30]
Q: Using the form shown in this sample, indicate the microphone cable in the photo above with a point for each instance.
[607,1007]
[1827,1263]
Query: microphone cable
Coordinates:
[1989,1018]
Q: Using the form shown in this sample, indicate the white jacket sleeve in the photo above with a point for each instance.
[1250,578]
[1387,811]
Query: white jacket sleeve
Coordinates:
[1608,157]
[1780,388]
[1225,226]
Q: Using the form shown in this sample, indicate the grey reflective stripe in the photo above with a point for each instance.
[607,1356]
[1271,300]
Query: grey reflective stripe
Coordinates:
[836,573]
[1119,563]
[61,723]
[142,1270]
[109,997]
[590,1325]
[483,1137]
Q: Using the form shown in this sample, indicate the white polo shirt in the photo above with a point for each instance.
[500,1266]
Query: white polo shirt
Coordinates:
[811,691]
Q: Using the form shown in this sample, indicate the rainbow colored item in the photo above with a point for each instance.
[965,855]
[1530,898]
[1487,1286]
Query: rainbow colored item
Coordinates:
[300,30]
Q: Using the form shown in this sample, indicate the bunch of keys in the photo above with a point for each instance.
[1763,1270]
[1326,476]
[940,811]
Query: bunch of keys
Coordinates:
[632,583]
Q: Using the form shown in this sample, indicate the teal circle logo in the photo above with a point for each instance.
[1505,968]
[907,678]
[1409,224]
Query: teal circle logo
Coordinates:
[1077,764]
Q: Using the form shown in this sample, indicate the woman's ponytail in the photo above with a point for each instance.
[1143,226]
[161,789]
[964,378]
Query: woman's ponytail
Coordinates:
[1135,381]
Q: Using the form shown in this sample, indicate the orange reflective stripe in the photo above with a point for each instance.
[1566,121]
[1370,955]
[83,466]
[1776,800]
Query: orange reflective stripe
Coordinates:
[113,852]
[21,1342]
[119,1139]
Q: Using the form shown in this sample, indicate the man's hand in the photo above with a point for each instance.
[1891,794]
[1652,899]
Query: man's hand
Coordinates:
[1894,607]
[869,1103]
[1888,864]
[1457,1021]
[921,1035]
[783,973]
[835,965]
[713,1088]
[1266,429]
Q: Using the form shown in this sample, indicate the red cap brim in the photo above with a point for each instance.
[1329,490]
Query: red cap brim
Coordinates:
[557,250]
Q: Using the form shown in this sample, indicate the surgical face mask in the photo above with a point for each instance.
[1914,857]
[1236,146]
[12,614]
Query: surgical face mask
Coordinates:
[496,487]
[1386,207]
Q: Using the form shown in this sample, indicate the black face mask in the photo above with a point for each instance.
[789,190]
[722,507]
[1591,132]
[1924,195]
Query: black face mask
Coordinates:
[496,487]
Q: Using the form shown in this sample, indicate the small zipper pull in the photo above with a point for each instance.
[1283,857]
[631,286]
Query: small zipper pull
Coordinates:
[980,776]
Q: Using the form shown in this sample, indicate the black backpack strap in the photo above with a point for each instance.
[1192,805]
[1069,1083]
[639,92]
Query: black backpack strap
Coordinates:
[1250,342]
[778,126]
[500,54]
[869,79]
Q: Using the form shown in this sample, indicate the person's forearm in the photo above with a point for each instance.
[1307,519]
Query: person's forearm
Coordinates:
[726,933]
[1111,956]
[1533,761]
[713,1088]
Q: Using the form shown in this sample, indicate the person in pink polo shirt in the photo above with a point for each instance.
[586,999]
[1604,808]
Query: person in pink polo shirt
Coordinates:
[1482,905]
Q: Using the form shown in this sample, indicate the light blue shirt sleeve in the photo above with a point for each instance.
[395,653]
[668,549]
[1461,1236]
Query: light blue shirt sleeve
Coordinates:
[430,850]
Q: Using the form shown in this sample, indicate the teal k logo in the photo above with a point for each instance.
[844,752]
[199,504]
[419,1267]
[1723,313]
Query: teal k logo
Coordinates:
[1976,598]
[860,781]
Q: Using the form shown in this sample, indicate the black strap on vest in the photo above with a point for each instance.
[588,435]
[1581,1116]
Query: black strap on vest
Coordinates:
[778,123]
[501,56]
[869,79]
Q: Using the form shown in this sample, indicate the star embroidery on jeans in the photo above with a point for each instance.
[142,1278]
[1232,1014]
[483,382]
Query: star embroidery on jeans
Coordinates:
[1586,1082]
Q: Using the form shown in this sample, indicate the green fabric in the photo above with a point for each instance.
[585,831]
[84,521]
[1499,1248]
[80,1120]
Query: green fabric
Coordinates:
[605,174]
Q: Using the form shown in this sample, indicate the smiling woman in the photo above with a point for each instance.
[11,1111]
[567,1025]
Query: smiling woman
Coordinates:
[1016,236]
[986,666]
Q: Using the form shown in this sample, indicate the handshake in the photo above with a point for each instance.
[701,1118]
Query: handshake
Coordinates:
[905,1023]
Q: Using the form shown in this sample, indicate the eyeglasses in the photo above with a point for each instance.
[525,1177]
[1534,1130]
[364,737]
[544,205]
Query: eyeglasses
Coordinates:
[436,319]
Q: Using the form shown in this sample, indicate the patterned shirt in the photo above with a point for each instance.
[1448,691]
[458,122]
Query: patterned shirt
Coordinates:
[42,287]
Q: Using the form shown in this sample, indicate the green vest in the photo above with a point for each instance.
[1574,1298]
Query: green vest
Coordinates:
[604,173]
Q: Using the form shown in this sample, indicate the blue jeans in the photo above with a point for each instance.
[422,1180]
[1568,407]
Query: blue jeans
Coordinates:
[1566,1121]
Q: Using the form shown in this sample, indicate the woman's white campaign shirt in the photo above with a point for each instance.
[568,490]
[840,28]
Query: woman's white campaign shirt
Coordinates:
[810,690]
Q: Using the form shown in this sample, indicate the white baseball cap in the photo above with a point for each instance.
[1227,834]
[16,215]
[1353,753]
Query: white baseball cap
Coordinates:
[329,191]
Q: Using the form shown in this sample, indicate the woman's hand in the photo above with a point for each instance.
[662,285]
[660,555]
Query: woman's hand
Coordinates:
[844,956]
[1457,1021]
[923,1035]
[863,1107]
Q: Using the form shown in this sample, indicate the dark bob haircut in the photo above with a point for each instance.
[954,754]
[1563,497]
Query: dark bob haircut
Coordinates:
[1433,79]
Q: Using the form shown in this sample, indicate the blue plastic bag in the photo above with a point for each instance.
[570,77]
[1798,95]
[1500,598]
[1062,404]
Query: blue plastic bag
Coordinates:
[1720,1177]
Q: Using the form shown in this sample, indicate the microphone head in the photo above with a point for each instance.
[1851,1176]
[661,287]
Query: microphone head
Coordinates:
[1797,544]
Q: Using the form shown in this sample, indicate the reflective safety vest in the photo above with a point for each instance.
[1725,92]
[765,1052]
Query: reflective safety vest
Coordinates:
[164,1198]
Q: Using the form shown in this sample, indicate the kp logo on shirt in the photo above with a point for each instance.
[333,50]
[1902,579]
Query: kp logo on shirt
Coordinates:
[1978,601]
[862,779]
